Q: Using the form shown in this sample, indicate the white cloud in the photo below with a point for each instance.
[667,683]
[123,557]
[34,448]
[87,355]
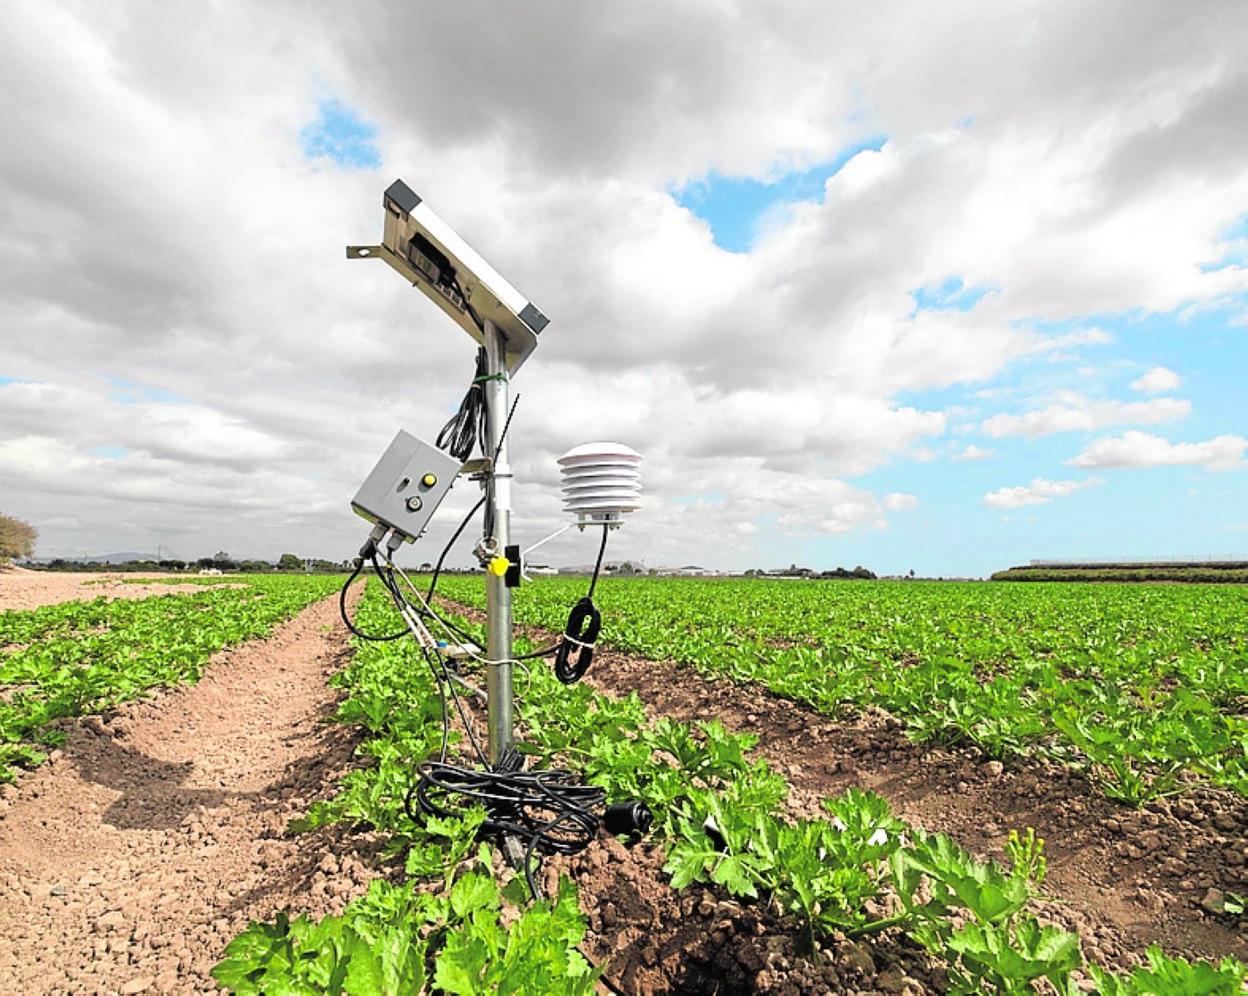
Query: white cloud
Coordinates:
[1140,449]
[1038,492]
[898,502]
[973,452]
[1157,381]
[1074,413]
[160,224]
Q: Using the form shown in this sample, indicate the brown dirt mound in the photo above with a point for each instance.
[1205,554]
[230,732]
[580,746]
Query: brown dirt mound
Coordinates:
[130,860]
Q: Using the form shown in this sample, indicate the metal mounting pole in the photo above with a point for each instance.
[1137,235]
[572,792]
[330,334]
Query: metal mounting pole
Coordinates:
[497,594]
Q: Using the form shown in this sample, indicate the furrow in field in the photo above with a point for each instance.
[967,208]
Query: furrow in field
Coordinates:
[158,831]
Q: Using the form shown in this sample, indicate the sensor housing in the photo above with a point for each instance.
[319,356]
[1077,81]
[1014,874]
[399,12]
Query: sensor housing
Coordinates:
[406,487]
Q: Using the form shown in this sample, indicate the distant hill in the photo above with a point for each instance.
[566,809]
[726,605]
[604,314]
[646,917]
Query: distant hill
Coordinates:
[122,558]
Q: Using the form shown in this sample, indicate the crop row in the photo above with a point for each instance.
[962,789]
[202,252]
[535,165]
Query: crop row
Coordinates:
[82,657]
[449,927]
[1144,687]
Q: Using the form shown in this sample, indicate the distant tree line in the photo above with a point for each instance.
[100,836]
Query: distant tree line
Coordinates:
[17,538]
[859,573]
[221,561]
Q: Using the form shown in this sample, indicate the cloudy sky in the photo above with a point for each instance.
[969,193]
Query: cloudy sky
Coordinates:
[937,286]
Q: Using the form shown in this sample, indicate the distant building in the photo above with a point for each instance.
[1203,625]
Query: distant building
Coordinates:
[688,570]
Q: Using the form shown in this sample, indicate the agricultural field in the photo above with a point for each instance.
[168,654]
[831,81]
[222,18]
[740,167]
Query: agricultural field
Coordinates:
[73,658]
[1211,573]
[794,892]
[856,787]
[1145,689]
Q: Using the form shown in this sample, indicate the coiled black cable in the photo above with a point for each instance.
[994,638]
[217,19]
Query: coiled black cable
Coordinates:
[548,810]
[576,648]
[471,422]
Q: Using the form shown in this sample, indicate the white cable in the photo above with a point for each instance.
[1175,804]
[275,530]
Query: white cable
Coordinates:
[450,634]
[523,665]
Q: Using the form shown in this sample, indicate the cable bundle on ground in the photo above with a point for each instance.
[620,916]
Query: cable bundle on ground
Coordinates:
[549,811]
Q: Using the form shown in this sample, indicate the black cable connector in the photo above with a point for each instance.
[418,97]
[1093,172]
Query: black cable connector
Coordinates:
[628,819]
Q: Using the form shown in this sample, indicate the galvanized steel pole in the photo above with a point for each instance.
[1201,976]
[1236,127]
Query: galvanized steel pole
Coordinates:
[498,509]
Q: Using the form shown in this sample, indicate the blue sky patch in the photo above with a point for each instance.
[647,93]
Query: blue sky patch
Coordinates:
[710,497]
[1235,247]
[341,134]
[949,293]
[733,205]
[129,393]
[111,452]
[1238,230]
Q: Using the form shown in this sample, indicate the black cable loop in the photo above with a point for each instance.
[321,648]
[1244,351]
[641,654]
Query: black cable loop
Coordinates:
[547,809]
[471,421]
[342,607]
[576,648]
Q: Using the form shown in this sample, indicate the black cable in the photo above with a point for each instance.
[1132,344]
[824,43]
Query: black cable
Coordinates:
[576,649]
[446,718]
[471,421]
[476,319]
[602,548]
[443,679]
[342,602]
[433,582]
[548,809]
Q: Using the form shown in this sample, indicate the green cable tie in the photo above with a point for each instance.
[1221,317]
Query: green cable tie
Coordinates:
[482,380]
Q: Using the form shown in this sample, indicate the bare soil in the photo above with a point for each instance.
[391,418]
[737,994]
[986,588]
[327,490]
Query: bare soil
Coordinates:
[23,589]
[130,859]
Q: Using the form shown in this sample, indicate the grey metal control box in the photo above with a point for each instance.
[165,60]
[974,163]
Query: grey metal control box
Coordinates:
[407,485]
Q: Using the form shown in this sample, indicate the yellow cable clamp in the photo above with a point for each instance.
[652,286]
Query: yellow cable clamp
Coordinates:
[498,566]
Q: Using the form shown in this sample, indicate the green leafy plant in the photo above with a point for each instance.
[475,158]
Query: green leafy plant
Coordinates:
[1002,948]
[1166,976]
[719,818]
[1143,686]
